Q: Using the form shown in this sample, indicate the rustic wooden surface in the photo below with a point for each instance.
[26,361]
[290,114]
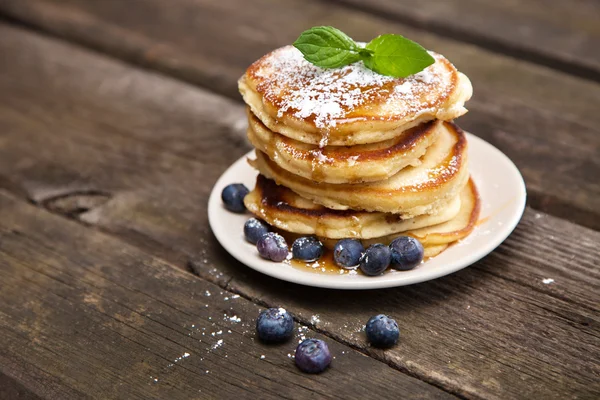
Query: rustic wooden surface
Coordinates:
[544,120]
[86,316]
[97,308]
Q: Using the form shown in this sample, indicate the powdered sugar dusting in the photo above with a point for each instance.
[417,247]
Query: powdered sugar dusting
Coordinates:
[328,96]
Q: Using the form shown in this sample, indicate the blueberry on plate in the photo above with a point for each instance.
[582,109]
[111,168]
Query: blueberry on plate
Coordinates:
[272,246]
[254,229]
[382,331]
[313,356]
[274,325]
[233,197]
[307,248]
[375,259]
[347,253]
[407,253]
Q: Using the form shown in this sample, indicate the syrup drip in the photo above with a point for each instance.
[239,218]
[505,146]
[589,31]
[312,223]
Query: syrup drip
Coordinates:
[325,265]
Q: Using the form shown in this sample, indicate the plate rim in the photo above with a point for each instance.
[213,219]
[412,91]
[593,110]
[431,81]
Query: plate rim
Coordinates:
[310,279]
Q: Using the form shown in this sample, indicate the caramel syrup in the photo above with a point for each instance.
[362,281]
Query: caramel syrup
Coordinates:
[324,265]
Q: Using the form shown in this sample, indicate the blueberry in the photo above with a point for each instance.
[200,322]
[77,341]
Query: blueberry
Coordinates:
[382,331]
[272,246]
[347,253]
[407,253]
[313,356]
[307,248]
[274,325]
[254,229]
[233,197]
[375,260]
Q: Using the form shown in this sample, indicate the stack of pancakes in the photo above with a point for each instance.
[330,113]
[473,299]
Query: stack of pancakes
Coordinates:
[348,153]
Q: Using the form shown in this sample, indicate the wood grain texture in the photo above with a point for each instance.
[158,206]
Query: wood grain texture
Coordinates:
[544,120]
[154,147]
[11,389]
[83,315]
[557,33]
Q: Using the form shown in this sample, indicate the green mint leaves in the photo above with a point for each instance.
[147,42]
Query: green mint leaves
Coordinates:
[394,55]
[391,55]
[327,47]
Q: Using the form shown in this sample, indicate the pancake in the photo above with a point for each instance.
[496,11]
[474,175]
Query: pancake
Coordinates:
[285,210]
[349,105]
[413,191]
[432,251]
[343,164]
[436,237]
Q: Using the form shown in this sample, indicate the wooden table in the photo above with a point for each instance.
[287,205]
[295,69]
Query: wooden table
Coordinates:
[117,117]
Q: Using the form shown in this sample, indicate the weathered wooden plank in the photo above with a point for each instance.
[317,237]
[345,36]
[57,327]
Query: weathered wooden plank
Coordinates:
[105,320]
[11,389]
[557,33]
[519,107]
[153,147]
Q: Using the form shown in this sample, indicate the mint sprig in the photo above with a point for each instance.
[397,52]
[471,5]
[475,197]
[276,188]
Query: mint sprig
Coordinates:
[391,55]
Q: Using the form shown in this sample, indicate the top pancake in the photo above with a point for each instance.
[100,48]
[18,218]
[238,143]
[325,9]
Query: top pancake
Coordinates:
[349,105]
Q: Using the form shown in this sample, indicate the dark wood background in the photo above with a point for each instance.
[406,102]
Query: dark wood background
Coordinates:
[117,117]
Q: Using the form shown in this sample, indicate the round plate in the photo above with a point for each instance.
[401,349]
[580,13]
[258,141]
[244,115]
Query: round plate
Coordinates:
[500,186]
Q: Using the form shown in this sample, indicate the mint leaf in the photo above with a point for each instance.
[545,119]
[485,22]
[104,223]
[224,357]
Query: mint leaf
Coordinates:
[396,56]
[328,47]
[392,55]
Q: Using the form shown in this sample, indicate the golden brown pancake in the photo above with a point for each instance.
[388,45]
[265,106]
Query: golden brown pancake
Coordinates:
[349,105]
[285,210]
[444,233]
[432,251]
[413,191]
[344,164]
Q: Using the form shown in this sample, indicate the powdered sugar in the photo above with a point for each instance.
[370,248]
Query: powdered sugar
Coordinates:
[328,96]
[185,355]
[405,88]
[425,76]
[319,157]
[324,94]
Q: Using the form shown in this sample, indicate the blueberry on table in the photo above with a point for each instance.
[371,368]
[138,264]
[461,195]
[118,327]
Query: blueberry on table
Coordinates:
[382,331]
[254,229]
[407,253]
[272,246]
[307,248]
[375,259]
[313,356]
[347,253]
[233,197]
[274,325]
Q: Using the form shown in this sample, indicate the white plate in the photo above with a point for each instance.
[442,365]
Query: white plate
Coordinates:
[502,192]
